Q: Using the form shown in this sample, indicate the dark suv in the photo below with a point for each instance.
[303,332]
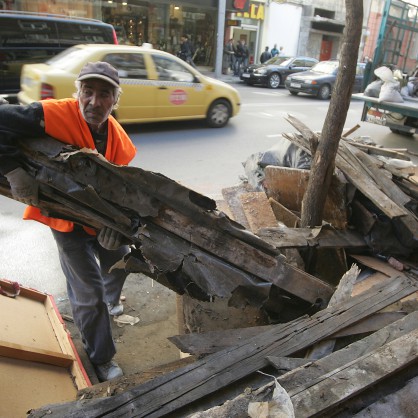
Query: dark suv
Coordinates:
[273,72]
[32,38]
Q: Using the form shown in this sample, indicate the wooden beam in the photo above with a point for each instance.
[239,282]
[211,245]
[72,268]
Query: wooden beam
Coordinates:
[322,237]
[312,371]
[213,341]
[21,352]
[258,210]
[317,397]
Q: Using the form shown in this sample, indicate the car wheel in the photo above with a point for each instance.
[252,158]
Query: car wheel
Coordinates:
[218,114]
[401,132]
[274,81]
[324,92]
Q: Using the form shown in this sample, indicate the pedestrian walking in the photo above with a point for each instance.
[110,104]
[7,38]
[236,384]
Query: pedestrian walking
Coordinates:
[229,55]
[186,50]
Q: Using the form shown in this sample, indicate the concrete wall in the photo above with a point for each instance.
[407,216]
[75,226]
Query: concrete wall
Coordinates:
[284,21]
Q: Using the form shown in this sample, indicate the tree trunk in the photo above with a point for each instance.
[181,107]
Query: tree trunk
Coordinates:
[324,158]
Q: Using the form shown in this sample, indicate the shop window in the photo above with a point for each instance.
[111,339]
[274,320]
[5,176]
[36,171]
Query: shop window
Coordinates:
[170,70]
[128,65]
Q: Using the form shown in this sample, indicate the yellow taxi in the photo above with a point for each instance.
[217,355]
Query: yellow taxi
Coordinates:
[156,85]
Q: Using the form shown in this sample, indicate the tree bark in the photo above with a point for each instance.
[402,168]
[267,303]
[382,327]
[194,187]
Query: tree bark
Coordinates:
[322,167]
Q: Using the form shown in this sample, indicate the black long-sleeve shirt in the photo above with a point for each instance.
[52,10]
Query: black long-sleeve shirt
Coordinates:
[17,122]
[27,121]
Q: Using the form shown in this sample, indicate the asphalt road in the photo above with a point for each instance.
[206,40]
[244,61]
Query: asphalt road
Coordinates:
[203,159]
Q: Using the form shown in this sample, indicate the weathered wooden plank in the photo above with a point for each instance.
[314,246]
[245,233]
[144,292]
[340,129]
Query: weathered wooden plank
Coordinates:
[283,214]
[323,237]
[341,384]
[245,256]
[164,395]
[366,185]
[288,185]
[374,150]
[150,203]
[213,341]
[284,364]
[258,210]
[381,177]
[312,371]
[21,352]
[394,400]
[376,264]
[341,294]
[231,196]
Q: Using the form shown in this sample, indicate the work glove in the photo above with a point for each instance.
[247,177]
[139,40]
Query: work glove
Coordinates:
[109,238]
[24,187]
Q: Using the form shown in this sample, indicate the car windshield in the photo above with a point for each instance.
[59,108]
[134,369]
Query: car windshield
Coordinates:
[68,58]
[325,67]
[286,62]
[276,60]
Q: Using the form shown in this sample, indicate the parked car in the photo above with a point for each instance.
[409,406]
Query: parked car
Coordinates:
[157,86]
[273,72]
[27,37]
[320,79]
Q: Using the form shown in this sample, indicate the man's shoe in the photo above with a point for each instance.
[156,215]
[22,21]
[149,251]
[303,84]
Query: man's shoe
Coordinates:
[115,310]
[108,371]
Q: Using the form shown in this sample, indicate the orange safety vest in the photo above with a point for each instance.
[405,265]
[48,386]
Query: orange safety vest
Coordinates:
[64,121]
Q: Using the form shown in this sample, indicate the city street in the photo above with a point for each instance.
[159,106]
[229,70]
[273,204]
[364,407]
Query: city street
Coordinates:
[205,160]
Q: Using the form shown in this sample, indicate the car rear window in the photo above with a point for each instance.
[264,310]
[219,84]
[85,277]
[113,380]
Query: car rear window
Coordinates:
[326,67]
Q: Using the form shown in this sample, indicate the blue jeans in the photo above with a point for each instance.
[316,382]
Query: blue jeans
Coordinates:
[90,287]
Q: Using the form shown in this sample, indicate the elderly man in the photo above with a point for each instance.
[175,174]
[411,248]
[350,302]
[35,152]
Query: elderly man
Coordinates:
[84,121]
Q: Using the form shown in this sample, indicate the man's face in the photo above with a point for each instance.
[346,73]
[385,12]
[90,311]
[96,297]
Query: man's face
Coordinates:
[96,100]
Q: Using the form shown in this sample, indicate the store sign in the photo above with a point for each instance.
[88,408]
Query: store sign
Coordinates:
[256,12]
[233,22]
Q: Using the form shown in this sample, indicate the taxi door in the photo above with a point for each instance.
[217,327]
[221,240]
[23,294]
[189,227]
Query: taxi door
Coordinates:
[138,99]
[179,93]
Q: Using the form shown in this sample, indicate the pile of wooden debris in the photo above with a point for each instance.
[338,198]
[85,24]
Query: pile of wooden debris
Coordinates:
[356,276]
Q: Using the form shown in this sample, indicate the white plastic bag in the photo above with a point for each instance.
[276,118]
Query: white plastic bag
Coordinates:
[390,92]
[385,74]
[373,89]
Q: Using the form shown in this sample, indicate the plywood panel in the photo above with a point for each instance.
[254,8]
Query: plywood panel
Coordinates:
[25,321]
[26,385]
[38,361]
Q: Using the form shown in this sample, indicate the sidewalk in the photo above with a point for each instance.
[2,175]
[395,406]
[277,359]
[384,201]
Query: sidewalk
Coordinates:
[227,78]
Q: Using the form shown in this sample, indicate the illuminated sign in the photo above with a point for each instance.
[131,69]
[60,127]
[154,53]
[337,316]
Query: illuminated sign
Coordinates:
[233,22]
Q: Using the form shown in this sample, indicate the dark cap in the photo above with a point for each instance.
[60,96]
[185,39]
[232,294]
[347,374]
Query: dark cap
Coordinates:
[102,70]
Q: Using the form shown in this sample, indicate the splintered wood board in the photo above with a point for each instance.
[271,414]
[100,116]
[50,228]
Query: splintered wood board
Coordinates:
[258,210]
[39,364]
[288,185]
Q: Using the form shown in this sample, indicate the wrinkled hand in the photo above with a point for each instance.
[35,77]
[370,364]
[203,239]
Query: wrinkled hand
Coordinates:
[109,238]
[24,187]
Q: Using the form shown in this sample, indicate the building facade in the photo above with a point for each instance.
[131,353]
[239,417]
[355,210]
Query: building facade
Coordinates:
[302,27]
